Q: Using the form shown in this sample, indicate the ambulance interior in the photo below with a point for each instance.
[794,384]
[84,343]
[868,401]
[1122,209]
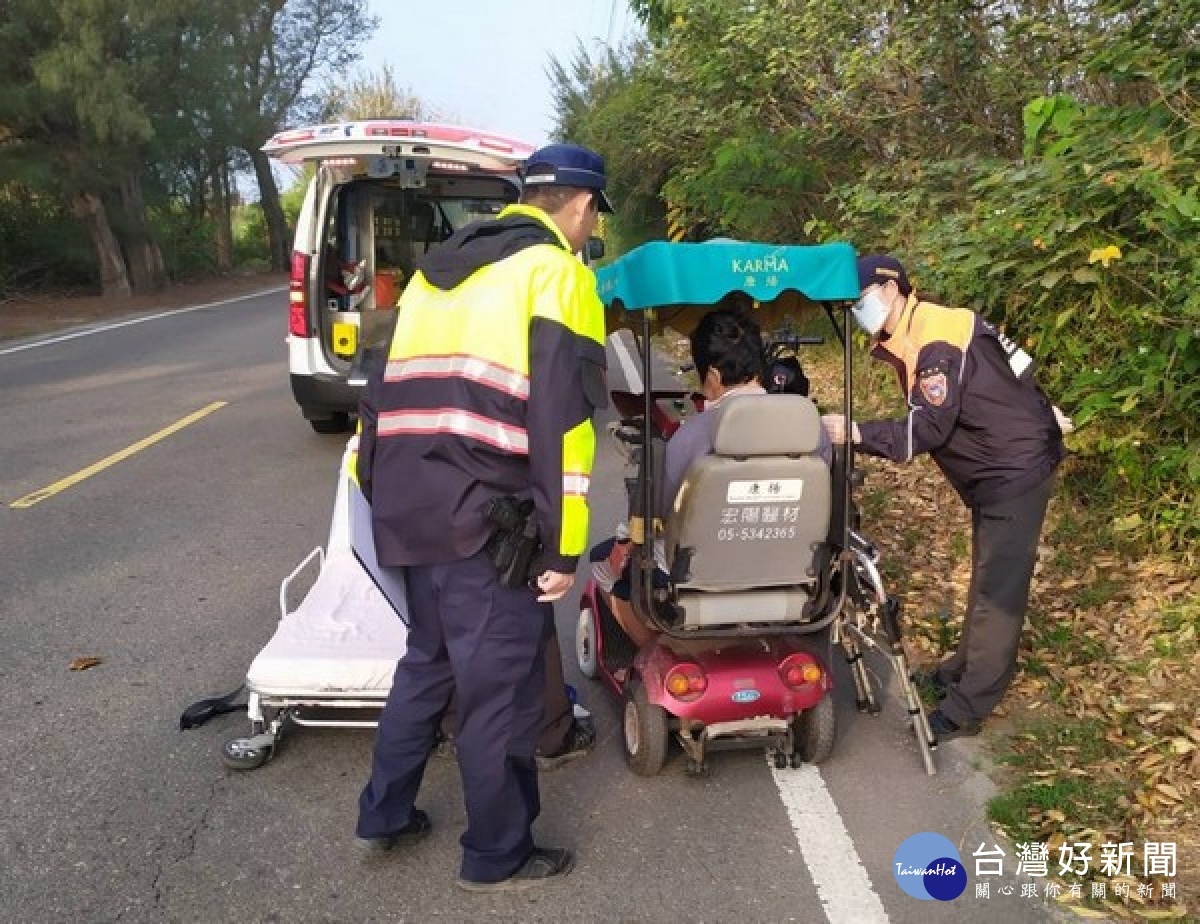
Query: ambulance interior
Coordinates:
[375,233]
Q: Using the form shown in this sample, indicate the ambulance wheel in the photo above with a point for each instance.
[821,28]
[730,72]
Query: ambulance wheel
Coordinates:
[338,422]
[243,754]
[646,731]
[585,643]
[815,730]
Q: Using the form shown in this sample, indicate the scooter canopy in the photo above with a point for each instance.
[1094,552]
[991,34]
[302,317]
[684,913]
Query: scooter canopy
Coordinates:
[660,273]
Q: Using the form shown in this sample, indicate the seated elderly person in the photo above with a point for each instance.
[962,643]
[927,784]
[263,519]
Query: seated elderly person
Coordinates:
[728,353]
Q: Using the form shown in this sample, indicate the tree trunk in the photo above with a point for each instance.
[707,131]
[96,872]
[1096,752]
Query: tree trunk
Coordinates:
[114,278]
[268,194]
[222,226]
[142,253]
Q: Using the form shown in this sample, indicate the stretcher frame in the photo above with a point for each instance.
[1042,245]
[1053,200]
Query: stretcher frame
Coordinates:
[273,706]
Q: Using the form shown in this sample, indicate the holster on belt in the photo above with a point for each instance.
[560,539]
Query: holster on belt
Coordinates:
[513,547]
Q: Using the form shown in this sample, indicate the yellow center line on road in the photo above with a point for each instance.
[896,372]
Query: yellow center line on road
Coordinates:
[71,480]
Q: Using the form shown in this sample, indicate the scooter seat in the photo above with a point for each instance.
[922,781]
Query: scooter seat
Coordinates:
[750,520]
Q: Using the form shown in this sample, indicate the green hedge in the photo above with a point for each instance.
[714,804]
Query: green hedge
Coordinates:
[1087,251]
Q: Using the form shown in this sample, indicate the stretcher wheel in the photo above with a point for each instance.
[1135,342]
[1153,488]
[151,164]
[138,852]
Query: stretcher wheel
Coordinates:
[815,730]
[585,643]
[647,734]
[244,753]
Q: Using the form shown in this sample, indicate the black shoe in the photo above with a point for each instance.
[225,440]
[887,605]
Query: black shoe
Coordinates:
[414,832]
[580,740]
[929,684]
[944,728]
[543,865]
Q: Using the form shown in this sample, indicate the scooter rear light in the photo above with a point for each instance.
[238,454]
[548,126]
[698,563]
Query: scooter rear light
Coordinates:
[798,671]
[686,682]
[298,323]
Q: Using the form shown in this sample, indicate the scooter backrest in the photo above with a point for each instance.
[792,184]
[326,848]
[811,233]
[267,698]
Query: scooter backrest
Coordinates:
[753,514]
[766,425]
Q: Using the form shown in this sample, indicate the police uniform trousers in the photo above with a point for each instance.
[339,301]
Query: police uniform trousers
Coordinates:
[559,718]
[1004,543]
[471,636]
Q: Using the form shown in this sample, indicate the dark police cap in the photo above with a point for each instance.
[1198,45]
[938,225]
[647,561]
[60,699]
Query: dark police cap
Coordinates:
[567,165]
[878,269]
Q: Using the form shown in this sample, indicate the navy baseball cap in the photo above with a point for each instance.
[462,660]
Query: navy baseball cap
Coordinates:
[877,269]
[567,165]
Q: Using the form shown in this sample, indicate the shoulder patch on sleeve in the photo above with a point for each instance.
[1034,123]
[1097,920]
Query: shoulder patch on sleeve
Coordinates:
[933,380]
[940,367]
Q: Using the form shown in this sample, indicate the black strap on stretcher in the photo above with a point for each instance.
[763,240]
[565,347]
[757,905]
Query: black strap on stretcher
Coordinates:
[200,712]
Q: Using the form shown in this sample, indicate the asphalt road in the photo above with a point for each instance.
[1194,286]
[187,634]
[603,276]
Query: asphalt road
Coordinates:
[166,565]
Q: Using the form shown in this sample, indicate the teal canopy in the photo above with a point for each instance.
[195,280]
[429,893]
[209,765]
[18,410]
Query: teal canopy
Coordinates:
[660,273]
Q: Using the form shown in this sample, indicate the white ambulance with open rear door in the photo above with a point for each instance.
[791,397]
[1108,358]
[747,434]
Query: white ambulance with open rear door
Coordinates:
[382,193]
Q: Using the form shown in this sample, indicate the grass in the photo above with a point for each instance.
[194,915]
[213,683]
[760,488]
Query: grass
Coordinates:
[1093,595]
[1072,646]
[1045,784]
[1081,798]
[873,502]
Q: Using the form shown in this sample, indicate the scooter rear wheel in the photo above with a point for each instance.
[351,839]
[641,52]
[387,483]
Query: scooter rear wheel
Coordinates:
[815,731]
[646,731]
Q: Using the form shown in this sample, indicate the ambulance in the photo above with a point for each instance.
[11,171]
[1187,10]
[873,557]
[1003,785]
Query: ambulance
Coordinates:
[381,193]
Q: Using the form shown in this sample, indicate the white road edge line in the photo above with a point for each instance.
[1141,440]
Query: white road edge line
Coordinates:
[61,338]
[843,886]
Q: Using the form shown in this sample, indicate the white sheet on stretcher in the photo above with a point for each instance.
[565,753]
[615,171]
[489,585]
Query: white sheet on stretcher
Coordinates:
[344,637]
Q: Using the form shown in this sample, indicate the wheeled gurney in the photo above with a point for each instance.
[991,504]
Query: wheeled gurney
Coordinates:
[331,659]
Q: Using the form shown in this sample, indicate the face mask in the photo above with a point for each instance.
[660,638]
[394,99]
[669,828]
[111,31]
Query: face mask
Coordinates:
[870,312]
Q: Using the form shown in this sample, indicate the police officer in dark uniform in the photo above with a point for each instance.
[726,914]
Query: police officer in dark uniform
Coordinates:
[974,408]
[494,372]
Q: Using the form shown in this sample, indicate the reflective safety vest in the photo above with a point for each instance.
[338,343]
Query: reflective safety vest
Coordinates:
[495,370]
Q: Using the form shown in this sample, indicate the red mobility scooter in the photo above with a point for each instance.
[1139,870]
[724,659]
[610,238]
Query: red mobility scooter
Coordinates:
[758,569]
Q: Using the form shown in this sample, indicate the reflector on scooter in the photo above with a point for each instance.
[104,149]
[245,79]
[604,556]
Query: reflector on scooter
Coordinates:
[686,681]
[799,670]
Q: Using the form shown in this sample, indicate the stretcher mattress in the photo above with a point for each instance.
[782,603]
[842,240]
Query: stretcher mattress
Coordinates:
[344,638]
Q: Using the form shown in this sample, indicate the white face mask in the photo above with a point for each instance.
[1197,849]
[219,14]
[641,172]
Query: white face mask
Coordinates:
[871,311]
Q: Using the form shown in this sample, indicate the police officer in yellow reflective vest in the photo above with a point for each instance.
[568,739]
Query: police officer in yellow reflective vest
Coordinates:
[973,406]
[492,378]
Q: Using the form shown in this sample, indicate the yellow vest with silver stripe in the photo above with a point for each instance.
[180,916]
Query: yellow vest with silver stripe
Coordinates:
[498,365]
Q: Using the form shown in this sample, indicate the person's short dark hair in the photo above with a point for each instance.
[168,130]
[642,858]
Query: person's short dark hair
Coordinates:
[730,342]
[550,198]
[879,269]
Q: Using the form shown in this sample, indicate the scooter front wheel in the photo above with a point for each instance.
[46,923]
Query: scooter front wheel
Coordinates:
[585,643]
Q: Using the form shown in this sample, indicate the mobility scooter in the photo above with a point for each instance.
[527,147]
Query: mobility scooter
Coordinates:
[756,570]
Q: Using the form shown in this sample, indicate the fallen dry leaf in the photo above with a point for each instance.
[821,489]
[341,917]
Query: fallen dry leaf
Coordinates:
[82,664]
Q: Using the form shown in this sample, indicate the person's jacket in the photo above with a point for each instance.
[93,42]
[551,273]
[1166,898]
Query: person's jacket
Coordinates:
[494,372]
[994,436]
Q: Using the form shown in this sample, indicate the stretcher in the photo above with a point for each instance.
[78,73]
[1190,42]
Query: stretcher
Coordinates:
[331,660]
